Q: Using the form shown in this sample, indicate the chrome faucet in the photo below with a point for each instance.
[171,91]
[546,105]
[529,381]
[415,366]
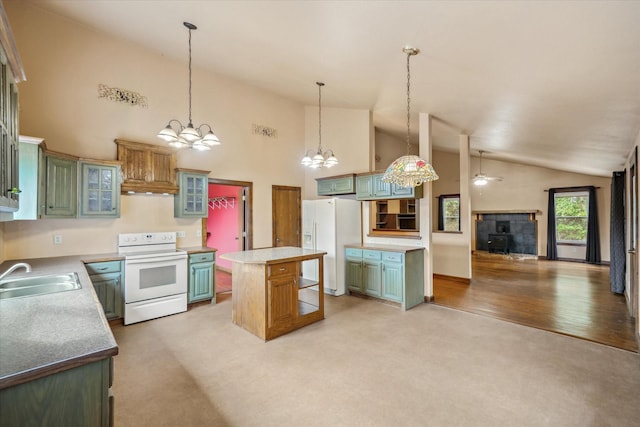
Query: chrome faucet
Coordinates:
[14,267]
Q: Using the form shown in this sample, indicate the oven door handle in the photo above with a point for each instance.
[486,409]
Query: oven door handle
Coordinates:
[155,259]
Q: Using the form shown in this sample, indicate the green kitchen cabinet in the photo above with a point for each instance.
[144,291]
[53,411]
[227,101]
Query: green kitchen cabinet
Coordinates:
[202,277]
[29,168]
[353,269]
[59,197]
[192,196]
[393,276]
[336,185]
[99,190]
[9,145]
[80,396]
[372,273]
[371,187]
[108,281]
[386,274]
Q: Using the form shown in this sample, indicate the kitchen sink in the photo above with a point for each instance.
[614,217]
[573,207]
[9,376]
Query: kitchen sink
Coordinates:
[41,285]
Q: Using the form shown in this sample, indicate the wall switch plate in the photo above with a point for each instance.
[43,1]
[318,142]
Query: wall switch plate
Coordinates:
[57,239]
[199,233]
[181,234]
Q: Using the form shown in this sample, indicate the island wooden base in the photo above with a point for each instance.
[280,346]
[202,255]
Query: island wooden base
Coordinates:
[272,298]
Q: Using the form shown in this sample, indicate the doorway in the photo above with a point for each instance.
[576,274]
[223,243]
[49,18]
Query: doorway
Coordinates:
[286,216]
[227,227]
[633,239]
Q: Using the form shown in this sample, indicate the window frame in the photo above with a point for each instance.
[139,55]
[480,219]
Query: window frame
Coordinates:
[565,194]
[442,205]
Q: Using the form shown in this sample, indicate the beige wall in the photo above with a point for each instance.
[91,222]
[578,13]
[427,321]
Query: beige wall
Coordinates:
[447,165]
[346,132]
[65,63]
[388,148]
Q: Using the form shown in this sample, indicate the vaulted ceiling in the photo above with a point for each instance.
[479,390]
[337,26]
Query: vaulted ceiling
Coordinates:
[548,83]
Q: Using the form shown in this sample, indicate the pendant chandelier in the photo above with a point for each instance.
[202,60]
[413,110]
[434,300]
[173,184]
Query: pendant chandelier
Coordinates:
[189,136]
[409,170]
[320,159]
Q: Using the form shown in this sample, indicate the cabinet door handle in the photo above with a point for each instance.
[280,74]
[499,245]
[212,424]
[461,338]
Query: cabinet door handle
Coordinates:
[282,269]
[102,268]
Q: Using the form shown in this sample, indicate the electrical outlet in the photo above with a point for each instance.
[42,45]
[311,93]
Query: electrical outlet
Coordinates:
[181,234]
[199,233]
[57,239]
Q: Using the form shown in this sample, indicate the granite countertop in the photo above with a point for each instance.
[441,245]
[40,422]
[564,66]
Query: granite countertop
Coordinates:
[197,249]
[271,255]
[388,248]
[44,334]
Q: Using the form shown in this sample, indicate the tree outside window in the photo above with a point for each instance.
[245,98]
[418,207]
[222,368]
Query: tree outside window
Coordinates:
[450,211]
[572,212]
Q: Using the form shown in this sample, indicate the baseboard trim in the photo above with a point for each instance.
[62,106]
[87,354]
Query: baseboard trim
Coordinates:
[463,280]
[428,299]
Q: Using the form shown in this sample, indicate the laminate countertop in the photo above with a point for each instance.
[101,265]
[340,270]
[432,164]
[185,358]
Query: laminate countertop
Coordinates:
[272,255]
[44,334]
[388,248]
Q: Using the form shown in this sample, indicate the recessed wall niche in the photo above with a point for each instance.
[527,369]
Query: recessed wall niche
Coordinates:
[521,228]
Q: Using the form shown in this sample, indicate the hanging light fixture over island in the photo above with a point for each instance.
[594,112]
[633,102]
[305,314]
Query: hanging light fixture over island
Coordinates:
[409,170]
[320,159]
[189,136]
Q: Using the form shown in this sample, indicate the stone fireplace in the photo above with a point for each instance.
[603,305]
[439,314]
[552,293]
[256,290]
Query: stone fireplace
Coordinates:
[507,231]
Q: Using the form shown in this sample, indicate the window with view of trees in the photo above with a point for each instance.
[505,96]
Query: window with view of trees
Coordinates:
[572,212]
[449,212]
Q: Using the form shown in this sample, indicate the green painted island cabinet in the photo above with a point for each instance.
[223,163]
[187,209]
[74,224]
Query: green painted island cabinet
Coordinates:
[390,273]
[108,281]
[191,201]
[99,189]
[202,276]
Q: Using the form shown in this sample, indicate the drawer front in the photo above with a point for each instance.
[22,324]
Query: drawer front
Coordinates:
[103,267]
[374,255]
[202,257]
[353,253]
[286,268]
[392,256]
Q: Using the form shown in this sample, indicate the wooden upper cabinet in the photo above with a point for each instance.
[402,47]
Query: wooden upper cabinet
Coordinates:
[147,168]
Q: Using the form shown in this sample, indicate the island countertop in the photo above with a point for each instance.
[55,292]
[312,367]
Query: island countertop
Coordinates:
[45,334]
[272,255]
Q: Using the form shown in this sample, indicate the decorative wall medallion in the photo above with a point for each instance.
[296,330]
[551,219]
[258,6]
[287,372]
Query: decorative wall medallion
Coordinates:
[122,95]
[265,131]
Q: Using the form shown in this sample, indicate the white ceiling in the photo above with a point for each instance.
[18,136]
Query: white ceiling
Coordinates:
[549,83]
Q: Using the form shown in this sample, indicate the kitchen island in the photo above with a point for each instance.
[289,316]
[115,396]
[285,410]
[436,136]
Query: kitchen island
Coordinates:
[270,297]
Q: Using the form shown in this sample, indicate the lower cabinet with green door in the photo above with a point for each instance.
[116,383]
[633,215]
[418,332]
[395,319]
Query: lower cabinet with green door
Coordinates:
[108,281]
[393,274]
[202,276]
[80,396]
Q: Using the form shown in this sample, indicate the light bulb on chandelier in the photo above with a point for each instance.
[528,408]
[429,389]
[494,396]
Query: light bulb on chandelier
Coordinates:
[189,136]
[319,159]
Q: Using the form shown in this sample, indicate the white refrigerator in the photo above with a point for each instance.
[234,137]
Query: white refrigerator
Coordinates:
[327,225]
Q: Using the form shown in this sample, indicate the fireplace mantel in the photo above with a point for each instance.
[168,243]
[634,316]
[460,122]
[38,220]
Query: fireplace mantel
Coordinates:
[508,211]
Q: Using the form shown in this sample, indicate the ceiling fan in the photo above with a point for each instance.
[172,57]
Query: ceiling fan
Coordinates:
[482,178]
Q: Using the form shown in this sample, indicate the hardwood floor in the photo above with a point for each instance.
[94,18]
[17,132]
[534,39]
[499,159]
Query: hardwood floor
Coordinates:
[223,281]
[564,297]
